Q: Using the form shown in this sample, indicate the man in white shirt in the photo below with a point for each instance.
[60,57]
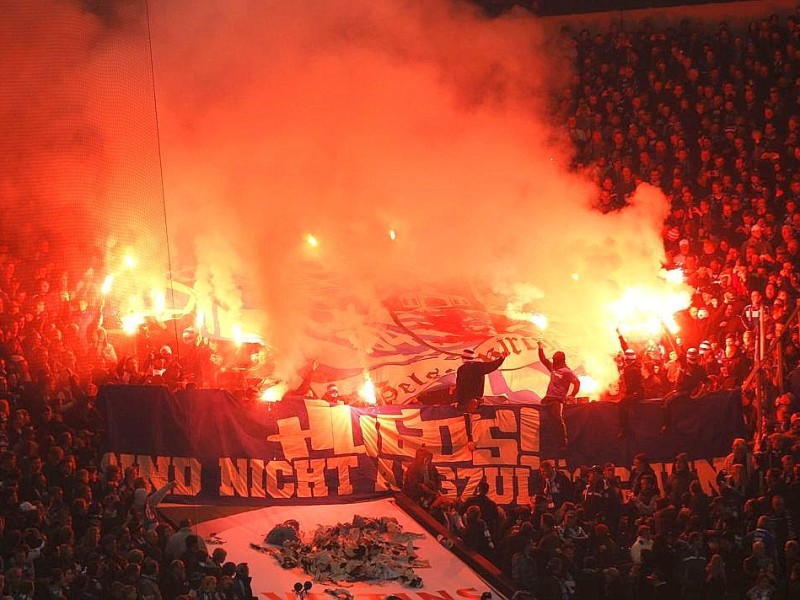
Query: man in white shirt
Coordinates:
[644,541]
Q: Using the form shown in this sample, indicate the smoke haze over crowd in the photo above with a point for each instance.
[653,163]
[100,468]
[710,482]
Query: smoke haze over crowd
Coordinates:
[345,121]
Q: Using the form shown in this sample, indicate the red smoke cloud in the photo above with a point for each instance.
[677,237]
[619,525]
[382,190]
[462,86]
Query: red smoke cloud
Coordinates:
[344,120]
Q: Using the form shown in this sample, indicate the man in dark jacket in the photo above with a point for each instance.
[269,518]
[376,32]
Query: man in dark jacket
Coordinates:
[470,379]
[242,589]
[488,507]
[632,388]
[692,379]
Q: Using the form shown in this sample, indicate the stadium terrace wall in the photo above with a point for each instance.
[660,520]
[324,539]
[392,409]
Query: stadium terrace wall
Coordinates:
[219,451]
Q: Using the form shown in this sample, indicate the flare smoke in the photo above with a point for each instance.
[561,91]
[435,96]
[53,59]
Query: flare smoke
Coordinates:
[346,120]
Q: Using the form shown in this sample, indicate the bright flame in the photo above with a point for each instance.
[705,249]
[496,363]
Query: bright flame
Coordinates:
[575,277]
[159,299]
[673,275]
[130,323]
[311,240]
[199,320]
[238,338]
[589,385]
[392,234]
[274,393]
[645,312]
[107,283]
[513,311]
[539,320]
[130,261]
[367,391]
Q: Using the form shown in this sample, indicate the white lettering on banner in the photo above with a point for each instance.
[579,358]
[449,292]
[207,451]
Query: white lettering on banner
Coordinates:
[310,476]
[504,478]
[386,477]
[158,471]
[258,474]
[495,451]
[448,476]
[473,476]
[274,469]
[257,478]
[420,433]
[343,464]
[329,428]
[233,477]
[529,419]
[186,475]
[292,438]
[369,433]
[280,479]
[522,485]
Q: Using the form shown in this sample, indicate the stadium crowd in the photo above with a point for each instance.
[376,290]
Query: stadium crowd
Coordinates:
[712,118]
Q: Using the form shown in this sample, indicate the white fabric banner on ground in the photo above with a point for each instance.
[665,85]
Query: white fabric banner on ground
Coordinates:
[447,579]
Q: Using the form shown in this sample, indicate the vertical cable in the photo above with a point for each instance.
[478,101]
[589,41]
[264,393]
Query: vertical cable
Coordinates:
[164,207]
[161,173]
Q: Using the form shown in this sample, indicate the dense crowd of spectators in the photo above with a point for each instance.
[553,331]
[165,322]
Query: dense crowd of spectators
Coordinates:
[72,527]
[651,535]
[711,118]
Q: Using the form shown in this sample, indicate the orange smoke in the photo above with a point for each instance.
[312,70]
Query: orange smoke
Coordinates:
[347,120]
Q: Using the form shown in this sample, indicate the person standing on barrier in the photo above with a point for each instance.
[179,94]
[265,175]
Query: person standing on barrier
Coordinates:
[564,384]
[470,379]
[632,386]
[691,382]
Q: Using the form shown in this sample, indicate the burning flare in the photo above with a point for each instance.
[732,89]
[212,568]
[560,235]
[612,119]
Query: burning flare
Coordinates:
[644,312]
[673,275]
[130,261]
[273,393]
[367,391]
[589,385]
[107,283]
[539,320]
[130,323]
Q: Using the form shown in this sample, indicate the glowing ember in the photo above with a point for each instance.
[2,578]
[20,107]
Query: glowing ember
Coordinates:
[311,240]
[130,261]
[392,234]
[107,283]
[645,312]
[274,393]
[199,320]
[367,391]
[575,277]
[238,338]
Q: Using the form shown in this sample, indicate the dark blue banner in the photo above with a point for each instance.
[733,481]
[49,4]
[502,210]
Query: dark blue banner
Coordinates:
[219,450]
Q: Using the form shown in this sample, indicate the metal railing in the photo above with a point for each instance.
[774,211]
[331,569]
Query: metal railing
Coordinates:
[774,351]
